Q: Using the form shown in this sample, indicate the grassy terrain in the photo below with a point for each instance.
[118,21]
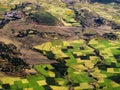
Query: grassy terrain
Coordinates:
[62,13]
[42,17]
[107,11]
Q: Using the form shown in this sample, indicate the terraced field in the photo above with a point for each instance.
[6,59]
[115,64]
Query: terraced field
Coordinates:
[78,66]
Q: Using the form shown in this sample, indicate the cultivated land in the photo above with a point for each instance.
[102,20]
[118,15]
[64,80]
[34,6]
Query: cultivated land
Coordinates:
[59,45]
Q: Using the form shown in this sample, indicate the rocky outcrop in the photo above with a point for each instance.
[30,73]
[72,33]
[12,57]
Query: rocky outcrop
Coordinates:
[13,15]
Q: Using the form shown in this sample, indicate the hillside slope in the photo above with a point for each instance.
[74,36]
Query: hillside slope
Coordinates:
[59,44]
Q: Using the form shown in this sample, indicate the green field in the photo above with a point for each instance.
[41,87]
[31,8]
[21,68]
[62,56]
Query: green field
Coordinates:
[75,68]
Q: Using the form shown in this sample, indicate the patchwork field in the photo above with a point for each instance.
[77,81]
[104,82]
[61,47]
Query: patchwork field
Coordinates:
[61,43]
[78,67]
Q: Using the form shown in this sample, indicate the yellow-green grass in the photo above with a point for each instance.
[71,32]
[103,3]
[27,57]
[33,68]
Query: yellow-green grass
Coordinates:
[62,13]
[9,80]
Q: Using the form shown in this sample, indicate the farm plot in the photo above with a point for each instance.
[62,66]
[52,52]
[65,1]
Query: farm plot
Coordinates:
[77,67]
[111,66]
[75,64]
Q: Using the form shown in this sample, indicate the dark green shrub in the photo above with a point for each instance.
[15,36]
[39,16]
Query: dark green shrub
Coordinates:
[42,17]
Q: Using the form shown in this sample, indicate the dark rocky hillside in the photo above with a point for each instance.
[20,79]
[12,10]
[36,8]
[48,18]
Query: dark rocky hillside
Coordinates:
[10,61]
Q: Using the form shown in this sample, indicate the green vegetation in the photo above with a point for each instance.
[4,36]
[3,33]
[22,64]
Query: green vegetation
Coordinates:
[76,68]
[62,13]
[43,17]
